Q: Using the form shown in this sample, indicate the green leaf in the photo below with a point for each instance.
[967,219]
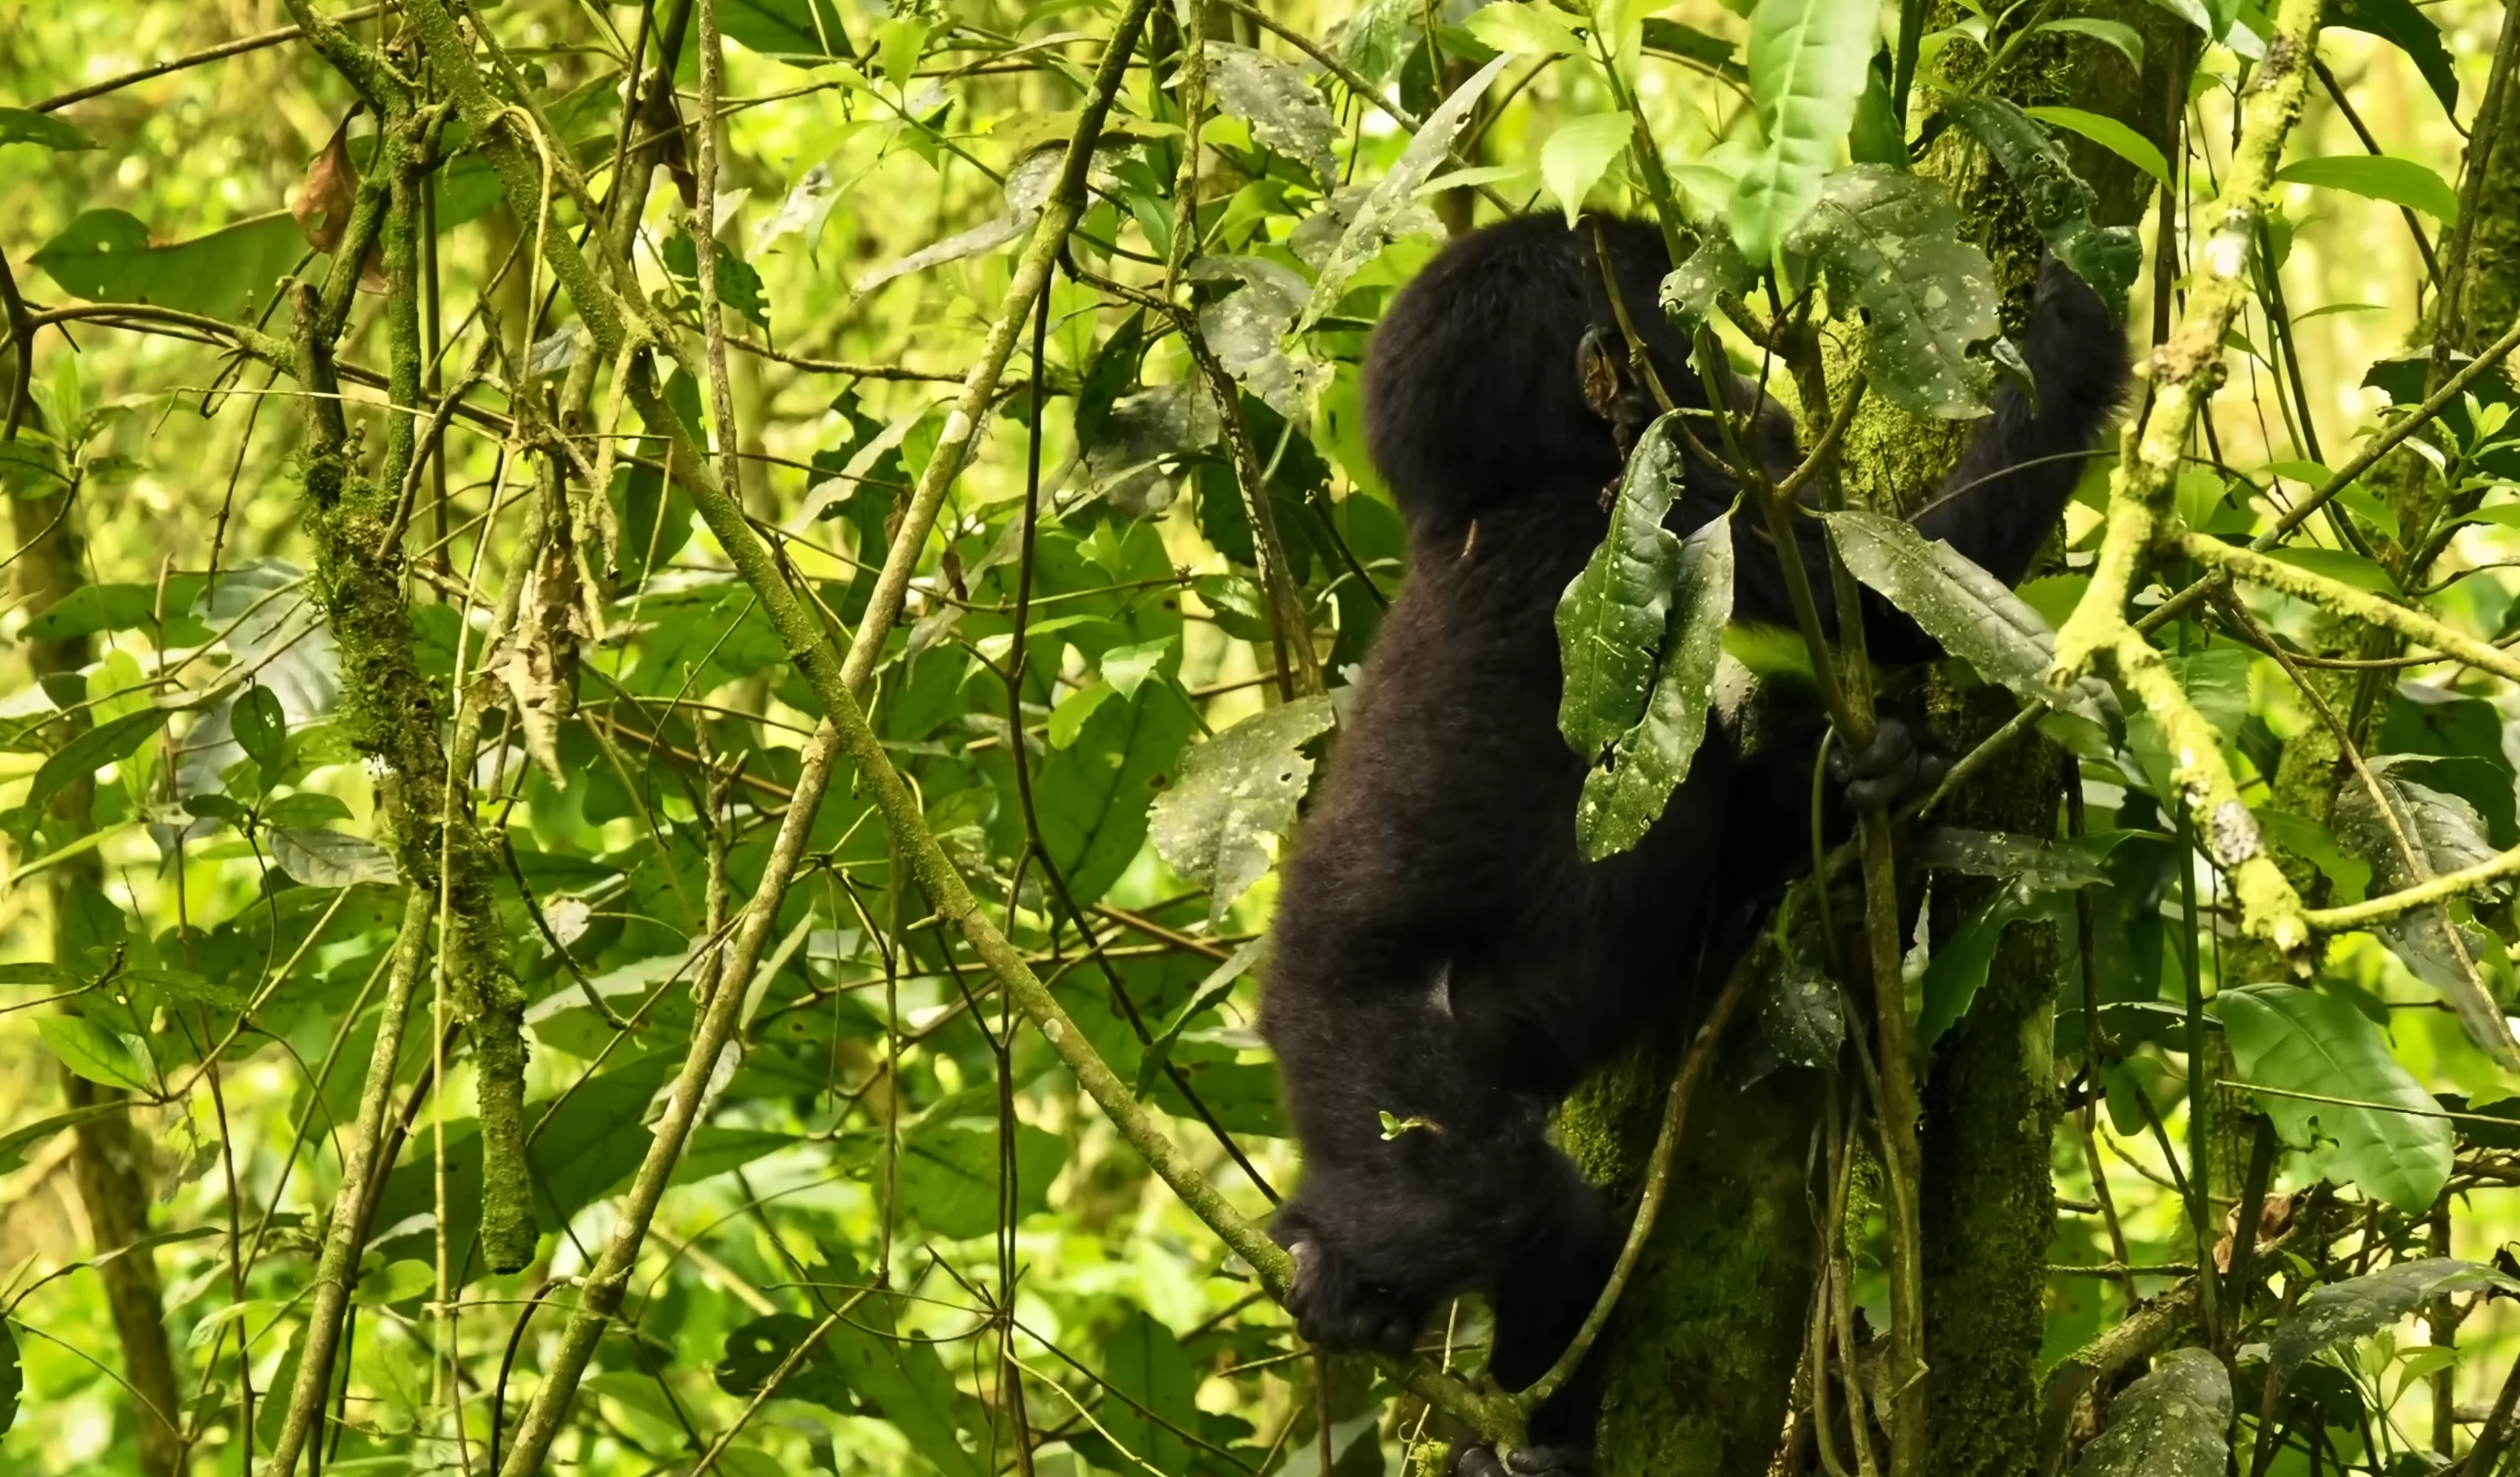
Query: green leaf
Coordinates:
[1093,796]
[1390,209]
[862,1367]
[1800,1013]
[1145,1363]
[1807,64]
[13,1376]
[2362,1306]
[105,257]
[1524,30]
[95,1052]
[260,728]
[2410,30]
[1968,611]
[1672,39]
[189,987]
[1239,785]
[2380,177]
[331,858]
[798,32]
[1287,113]
[2174,1422]
[20,125]
[2060,204]
[1611,618]
[1623,798]
[107,606]
[1579,153]
[948,1175]
[1890,242]
[1691,292]
[108,743]
[1959,968]
[2117,33]
[2111,135]
[15,1142]
[2030,864]
[1211,993]
[1067,719]
[2304,1040]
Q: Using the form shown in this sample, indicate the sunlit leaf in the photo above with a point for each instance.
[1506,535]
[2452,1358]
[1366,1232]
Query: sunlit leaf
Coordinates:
[2305,1041]
[95,1052]
[2380,177]
[1385,211]
[1525,30]
[1579,152]
[1285,112]
[2443,945]
[1807,64]
[2110,134]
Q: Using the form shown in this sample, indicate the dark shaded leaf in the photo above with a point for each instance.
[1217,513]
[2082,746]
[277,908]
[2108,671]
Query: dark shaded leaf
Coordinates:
[1610,621]
[2364,1306]
[2402,25]
[2108,257]
[1624,797]
[2174,1422]
[20,126]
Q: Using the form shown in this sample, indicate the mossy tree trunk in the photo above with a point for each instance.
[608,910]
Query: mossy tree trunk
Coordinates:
[1706,1342]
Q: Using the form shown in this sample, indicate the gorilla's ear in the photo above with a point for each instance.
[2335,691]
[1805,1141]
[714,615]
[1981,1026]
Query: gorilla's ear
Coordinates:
[1602,368]
[1612,388]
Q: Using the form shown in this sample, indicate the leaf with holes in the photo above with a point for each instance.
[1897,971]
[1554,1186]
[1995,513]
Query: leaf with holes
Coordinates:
[1386,209]
[2108,257]
[2364,1306]
[1234,789]
[1890,242]
[2174,1422]
[1285,113]
[1623,798]
[2302,1041]
[1611,618]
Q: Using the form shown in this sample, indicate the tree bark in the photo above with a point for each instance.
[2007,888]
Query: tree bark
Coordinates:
[110,1163]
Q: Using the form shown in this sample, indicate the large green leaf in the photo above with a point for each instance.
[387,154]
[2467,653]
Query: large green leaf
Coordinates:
[949,1175]
[2108,257]
[95,1052]
[1611,618]
[2298,1040]
[1239,785]
[20,126]
[1806,62]
[1969,612]
[2364,1306]
[2380,177]
[2110,134]
[798,32]
[1890,242]
[90,750]
[2174,1422]
[1579,152]
[106,256]
[1146,1366]
[1624,797]
[863,1366]
[1093,796]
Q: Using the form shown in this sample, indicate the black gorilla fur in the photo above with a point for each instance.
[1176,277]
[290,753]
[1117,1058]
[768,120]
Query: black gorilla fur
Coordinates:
[1441,949]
